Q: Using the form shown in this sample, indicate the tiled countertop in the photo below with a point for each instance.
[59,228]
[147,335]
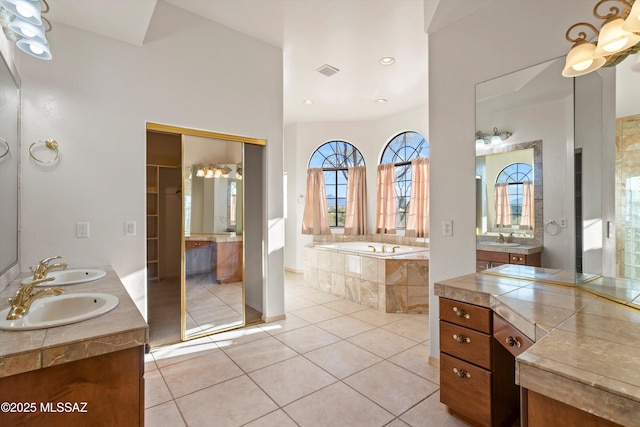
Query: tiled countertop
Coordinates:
[587,350]
[520,249]
[214,238]
[121,328]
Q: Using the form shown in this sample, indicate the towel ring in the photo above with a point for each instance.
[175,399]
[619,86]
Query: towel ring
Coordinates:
[6,144]
[51,144]
[552,227]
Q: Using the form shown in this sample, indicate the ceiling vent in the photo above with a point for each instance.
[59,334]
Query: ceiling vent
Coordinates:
[327,70]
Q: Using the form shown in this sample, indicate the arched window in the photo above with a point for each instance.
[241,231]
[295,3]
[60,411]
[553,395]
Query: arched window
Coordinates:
[400,151]
[515,176]
[335,158]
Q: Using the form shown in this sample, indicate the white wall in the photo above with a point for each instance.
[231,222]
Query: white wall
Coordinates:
[95,96]
[370,137]
[499,38]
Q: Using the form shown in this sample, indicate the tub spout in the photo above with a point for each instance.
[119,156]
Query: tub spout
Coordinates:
[393,249]
[373,247]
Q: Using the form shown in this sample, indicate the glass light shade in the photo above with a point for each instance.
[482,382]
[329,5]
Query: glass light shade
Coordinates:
[28,30]
[581,60]
[613,39]
[29,10]
[209,173]
[632,23]
[495,139]
[35,48]
[200,172]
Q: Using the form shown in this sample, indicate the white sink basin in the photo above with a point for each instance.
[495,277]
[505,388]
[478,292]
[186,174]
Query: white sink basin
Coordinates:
[69,276]
[51,311]
[492,244]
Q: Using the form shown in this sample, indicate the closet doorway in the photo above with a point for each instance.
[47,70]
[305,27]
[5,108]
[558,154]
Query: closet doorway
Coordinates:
[204,225]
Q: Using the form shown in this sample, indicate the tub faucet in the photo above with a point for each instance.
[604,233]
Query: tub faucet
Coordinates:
[393,249]
[43,267]
[372,247]
[384,248]
[25,296]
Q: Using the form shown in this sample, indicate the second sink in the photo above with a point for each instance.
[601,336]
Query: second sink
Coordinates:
[69,276]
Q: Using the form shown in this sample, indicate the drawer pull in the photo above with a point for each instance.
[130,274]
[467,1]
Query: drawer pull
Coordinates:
[513,341]
[461,373]
[461,339]
[517,258]
[461,313]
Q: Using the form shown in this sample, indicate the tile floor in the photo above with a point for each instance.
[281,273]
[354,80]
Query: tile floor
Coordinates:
[331,362]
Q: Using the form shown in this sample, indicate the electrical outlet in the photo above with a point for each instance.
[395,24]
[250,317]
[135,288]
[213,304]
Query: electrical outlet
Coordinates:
[82,230]
[130,228]
[447,227]
[562,222]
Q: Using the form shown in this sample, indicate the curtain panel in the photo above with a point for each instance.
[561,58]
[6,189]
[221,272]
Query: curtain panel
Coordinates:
[356,218]
[502,205]
[386,201]
[418,219]
[316,213]
[528,212]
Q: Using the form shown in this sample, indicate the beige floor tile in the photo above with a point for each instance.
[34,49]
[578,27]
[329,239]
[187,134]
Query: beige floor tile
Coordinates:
[258,354]
[300,291]
[399,423]
[321,297]
[149,363]
[345,326]
[342,359]
[376,381]
[415,327]
[177,353]
[289,324]
[337,406]
[416,359]
[378,318]
[231,403]
[307,338]
[155,389]
[317,313]
[163,415]
[382,342]
[293,303]
[198,373]
[430,412]
[275,419]
[291,379]
[239,336]
[344,306]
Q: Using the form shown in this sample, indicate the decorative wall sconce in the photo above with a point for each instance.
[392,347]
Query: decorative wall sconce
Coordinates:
[618,38]
[492,138]
[23,23]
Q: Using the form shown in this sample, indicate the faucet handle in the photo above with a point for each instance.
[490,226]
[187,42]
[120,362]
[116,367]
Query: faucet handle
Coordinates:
[46,261]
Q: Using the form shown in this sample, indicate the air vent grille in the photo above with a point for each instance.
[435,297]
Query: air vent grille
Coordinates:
[327,70]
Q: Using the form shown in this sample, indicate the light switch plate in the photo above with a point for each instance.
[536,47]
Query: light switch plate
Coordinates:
[447,227]
[130,228]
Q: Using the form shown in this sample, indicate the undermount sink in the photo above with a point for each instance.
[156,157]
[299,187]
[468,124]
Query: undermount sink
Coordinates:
[499,244]
[65,309]
[69,276]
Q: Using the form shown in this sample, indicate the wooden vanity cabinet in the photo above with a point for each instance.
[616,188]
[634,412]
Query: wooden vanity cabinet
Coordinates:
[226,261]
[477,373]
[490,259]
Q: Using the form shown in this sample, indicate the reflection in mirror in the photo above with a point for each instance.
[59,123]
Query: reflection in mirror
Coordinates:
[9,107]
[213,235]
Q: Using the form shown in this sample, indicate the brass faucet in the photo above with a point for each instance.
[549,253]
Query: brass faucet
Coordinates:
[393,249]
[502,239]
[372,247]
[384,248]
[43,267]
[25,296]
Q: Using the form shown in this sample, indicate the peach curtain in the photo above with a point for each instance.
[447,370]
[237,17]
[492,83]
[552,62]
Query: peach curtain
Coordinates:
[315,219]
[528,213]
[356,219]
[502,205]
[386,202]
[418,219]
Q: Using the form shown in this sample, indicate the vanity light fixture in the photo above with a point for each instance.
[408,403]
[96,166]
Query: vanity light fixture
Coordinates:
[618,37]
[492,138]
[23,23]
[200,171]
[387,60]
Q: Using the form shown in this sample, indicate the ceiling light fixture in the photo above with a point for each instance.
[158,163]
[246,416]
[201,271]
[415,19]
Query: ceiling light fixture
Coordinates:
[618,37]
[492,138]
[381,101]
[307,102]
[387,60]
[23,23]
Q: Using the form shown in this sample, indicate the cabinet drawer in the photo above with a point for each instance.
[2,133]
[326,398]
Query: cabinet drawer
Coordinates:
[467,315]
[493,256]
[466,389]
[509,337]
[193,244]
[517,259]
[465,343]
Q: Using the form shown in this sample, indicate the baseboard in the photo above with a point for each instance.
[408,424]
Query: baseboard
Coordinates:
[434,361]
[293,270]
[275,318]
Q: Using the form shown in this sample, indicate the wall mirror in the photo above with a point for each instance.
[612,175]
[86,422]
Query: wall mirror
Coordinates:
[534,106]
[204,225]
[9,160]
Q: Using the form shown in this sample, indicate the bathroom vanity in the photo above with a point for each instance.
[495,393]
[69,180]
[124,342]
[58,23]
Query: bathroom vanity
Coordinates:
[490,255]
[225,254]
[85,373]
[573,354]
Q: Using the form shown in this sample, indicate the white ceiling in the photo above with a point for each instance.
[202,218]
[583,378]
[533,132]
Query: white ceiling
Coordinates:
[351,35]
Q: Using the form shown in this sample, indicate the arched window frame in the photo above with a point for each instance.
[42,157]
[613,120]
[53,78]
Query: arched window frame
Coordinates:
[401,150]
[515,174]
[335,158]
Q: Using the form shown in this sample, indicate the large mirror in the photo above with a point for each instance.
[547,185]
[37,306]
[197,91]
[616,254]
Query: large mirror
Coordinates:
[9,155]
[524,124]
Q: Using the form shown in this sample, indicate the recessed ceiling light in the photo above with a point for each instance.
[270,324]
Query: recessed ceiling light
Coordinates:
[307,102]
[381,101]
[387,60]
